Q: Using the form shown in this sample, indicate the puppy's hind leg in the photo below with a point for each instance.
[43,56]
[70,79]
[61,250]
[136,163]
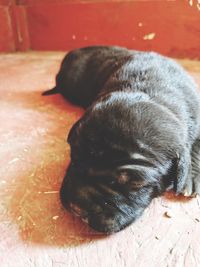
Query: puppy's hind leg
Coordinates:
[192,187]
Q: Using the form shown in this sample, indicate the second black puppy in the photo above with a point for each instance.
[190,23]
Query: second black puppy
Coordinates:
[139,137]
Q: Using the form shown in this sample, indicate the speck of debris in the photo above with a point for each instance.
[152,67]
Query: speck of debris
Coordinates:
[168,214]
[19,218]
[149,36]
[157,237]
[31,175]
[13,160]
[197,220]
[51,192]
[55,217]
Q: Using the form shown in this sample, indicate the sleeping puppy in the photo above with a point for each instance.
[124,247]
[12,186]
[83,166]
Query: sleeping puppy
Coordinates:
[139,136]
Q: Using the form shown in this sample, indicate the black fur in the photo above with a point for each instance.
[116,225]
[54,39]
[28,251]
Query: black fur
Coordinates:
[138,138]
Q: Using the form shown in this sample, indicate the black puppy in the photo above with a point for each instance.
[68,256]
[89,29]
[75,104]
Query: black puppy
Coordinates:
[139,137]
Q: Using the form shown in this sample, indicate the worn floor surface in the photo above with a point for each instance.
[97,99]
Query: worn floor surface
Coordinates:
[35,231]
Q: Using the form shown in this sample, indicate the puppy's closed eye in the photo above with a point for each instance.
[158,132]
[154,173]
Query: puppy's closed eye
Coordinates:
[124,178]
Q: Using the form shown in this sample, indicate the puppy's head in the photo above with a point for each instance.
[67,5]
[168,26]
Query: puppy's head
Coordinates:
[121,158]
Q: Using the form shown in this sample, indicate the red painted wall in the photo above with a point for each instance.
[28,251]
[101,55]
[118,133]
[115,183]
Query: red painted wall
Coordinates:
[169,27]
[7,42]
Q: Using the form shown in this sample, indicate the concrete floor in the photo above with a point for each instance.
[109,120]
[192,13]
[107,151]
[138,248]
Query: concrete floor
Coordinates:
[35,231]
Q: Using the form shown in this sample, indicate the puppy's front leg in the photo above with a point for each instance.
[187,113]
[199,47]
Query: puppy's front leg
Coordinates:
[192,187]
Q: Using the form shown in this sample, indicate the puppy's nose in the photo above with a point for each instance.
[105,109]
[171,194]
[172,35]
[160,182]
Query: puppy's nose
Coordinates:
[85,220]
[77,211]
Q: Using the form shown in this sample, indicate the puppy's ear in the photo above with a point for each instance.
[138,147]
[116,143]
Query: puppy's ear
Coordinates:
[183,165]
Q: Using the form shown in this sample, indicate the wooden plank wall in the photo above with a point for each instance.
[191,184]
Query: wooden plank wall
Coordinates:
[169,27]
[7,42]
[14,32]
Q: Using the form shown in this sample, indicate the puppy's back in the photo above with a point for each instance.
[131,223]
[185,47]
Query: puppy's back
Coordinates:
[84,71]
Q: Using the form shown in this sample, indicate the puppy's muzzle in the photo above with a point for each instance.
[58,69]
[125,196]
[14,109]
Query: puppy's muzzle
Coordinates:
[78,212]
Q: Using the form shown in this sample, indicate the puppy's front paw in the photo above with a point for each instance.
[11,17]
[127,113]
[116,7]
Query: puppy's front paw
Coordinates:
[192,187]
